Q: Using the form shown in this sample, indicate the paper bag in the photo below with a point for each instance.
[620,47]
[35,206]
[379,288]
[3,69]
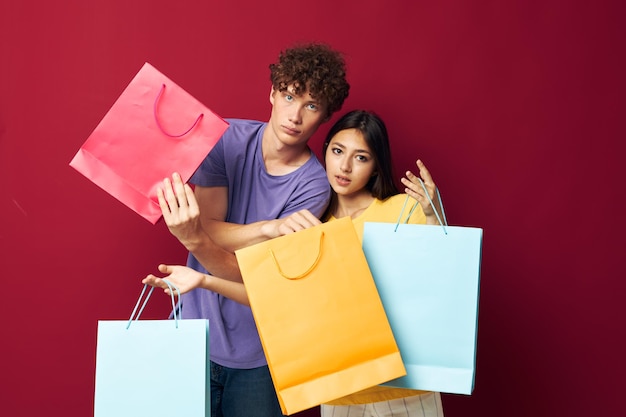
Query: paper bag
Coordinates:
[156,368]
[154,129]
[428,280]
[321,322]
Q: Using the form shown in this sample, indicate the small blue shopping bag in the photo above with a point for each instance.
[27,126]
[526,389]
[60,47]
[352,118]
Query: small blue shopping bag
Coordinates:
[156,368]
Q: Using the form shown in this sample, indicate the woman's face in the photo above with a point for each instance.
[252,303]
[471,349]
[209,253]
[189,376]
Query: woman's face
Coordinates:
[350,163]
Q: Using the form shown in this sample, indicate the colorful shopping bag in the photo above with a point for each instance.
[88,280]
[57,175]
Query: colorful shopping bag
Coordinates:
[428,281]
[321,322]
[155,128]
[157,368]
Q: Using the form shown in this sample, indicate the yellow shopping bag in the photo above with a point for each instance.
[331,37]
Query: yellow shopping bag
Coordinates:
[321,322]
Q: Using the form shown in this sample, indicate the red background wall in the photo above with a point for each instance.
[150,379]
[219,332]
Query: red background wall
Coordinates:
[516,107]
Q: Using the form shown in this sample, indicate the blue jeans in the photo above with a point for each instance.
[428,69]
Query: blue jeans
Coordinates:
[243,392]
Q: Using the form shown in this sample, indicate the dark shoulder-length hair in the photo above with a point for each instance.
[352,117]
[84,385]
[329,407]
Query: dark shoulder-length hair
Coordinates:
[374,131]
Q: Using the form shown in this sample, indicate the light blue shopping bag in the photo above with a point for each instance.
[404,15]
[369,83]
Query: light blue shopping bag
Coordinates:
[428,281]
[156,368]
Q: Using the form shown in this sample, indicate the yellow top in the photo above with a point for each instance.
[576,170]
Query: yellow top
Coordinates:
[386,211]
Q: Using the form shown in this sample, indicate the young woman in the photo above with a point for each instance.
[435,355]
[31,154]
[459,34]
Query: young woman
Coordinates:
[358,166]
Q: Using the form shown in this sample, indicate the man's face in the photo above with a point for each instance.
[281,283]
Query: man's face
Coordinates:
[295,118]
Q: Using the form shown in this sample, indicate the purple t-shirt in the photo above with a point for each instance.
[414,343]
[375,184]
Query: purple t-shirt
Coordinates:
[236,162]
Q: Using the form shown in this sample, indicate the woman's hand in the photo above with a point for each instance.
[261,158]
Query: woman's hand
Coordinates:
[186,279]
[415,190]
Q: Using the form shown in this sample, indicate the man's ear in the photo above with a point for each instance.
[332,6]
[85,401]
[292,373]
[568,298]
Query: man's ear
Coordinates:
[272,91]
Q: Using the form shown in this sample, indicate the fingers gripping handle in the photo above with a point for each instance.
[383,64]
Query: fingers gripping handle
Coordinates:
[171,287]
[443,223]
[308,270]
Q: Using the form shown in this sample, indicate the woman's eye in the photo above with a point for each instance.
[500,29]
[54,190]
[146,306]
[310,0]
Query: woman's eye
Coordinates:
[336,151]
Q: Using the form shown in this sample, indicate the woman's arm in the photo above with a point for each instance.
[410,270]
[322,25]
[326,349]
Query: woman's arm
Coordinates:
[187,279]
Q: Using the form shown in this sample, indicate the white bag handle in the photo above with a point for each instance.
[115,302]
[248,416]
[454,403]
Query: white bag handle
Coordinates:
[171,287]
[443,223]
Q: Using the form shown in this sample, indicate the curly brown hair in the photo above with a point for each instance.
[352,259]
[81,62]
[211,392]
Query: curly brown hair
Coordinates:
[315,68]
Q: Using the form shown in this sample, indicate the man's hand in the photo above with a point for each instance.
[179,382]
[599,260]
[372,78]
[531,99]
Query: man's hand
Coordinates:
[180,211]
[295,222]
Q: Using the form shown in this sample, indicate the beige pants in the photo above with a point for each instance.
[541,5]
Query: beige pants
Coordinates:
[425,405]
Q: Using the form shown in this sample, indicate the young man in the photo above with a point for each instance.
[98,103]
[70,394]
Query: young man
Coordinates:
[260,181]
